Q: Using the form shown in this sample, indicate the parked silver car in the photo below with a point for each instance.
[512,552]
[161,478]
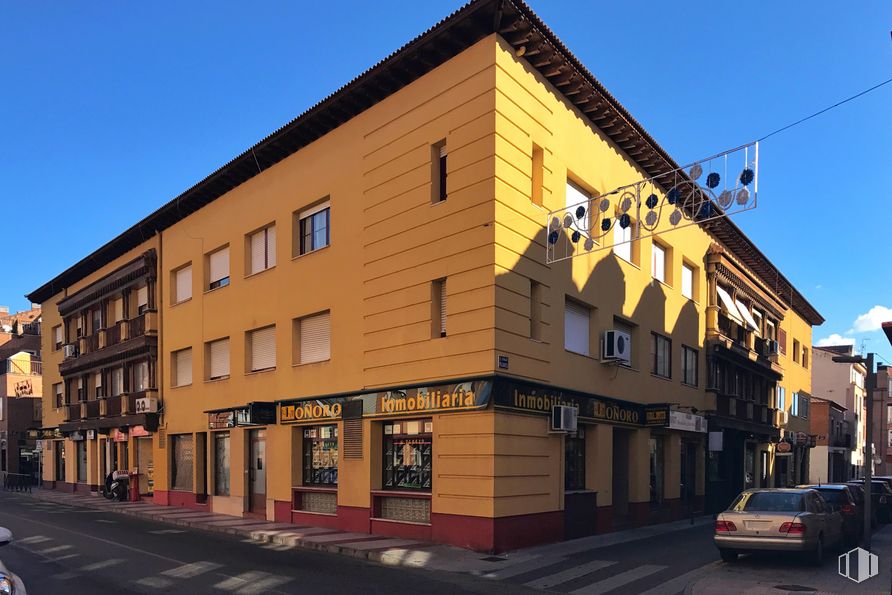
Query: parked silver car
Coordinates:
[764,520]
[10,584]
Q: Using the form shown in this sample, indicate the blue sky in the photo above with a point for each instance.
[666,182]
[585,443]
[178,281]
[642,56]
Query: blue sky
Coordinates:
[110,109]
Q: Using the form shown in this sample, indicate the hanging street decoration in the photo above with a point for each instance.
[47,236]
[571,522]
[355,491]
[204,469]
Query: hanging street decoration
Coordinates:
[709,189]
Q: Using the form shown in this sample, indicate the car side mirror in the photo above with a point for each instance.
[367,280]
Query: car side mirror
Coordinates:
[5,536]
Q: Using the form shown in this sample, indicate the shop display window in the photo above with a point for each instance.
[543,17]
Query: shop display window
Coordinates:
[320,450]
[408,454]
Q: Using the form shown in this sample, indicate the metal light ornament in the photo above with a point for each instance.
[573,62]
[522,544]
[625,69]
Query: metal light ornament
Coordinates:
[653,206]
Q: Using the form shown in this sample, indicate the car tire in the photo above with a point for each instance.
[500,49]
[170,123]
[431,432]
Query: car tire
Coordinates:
[728,555]
[816,557]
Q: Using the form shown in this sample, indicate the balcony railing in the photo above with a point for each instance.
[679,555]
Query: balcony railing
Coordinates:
[25,368]
[113,335]
[136,326]
[91,409]
[73,412]
[91,343]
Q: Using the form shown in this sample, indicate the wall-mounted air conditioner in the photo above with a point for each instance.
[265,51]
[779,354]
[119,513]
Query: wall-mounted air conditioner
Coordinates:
[564,419]
[616,346]
[70,350]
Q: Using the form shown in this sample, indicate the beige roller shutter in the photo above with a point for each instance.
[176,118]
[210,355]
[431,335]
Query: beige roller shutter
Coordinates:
[119,309]
[263,348]
[315,338]
[270,246]
[258,252]
[142,296]
[184,283]
[443,307]
[218,265]
[183,367]
[218,355]
[576,328]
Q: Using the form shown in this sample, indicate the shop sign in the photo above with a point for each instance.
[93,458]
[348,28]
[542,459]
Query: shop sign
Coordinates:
[688,422]
[443,398]
[139,432]
[801,438]
[538,399]
[716,441]
[77,436]
[252,414]
[91,434]
[44,434]
[220,421]
[119,436]
[783,447]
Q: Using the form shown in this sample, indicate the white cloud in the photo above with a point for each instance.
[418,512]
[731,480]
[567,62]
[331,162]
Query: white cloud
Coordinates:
[835,339]
[873,319]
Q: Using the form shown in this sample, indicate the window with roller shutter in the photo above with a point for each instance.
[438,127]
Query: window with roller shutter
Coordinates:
[261,250]
[182,367]
[438,308]
[315,338]
[576,328]
[142,299]
[262,349]
[118,309]
[782,340]
[182,284]
[217,358]
[218,268]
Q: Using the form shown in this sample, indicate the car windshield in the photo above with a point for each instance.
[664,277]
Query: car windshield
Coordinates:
[834,496]
[769,502]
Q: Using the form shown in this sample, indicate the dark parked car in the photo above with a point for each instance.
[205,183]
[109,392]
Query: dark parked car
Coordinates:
[839,497]
[881,498]
[858,494]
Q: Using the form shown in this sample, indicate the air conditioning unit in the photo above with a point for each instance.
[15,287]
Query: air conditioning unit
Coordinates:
[616,346]
[563,418]
[772,347]
[147,405]
[70,350]
[782,418]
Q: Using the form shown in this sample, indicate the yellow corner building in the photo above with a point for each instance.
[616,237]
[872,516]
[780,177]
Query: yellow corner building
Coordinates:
[353,325]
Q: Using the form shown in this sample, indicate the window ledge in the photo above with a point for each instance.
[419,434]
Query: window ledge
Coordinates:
[690,385]
[658,376]
[580,491]
[591,357]
[188,299]
[402,494]
[212,290]
[380,520]
[328,514]
[321,489]
[263,371]
[221,379]
[251,275]
[172,387]
[302,364]
[316,251]
[628,262]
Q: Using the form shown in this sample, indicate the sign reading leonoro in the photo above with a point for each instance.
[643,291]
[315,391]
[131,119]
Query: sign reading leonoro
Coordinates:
[410,401]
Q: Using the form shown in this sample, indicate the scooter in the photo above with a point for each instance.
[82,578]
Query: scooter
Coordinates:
[116,486]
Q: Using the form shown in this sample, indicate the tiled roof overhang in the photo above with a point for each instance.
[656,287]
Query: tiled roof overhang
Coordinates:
[520,27]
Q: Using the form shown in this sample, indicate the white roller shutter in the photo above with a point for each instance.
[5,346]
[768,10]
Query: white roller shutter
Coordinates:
[117,381]
[622,246]
[687,281]
[119,309]
[658,263]
[258,252]
[576,328]
[57,335]
[183,367]
[315,338]
[270,246]
[184,284]
[218,265]
[142,297]
[263,348]
[218,354]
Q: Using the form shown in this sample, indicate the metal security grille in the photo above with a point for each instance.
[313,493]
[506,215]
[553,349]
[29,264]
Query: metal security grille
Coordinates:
[353,439]
[319,502]
[410,510]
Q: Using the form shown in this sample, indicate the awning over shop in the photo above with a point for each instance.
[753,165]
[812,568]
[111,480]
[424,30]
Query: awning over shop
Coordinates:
[148,420]
[747,316]
[728,306]
[259,413]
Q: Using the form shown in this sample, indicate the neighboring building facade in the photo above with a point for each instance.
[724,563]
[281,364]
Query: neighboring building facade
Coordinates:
[883,421]
[352,325]
[844,385]
[829,460]
[20,391]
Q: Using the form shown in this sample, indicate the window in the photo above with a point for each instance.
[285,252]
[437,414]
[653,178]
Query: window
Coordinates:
[38,409]
[657,467]
[795,351]
[221,463]
[661,355]
[57,338]
[574,460]
[181,362]
[688,274]
[117,378]
[438,172]
[799,406]
[770,330]
[182,284]
[658,263]
[79,326]
[577,196]
[313,228]
[96,320]
[118,309]
[535,311]
[142,299]
[217,358]
[622,241]
[314,338]
[261,247]
[58,395]
[689,362]
[805,357]
[890,438]
[140,376]
[181,468]
[537,175]
[218,268]
[577,327]
[320,452]
[97,383]
[782,340]
[408,454]
[438,308]
[794,404]
[81,392]
[262,349]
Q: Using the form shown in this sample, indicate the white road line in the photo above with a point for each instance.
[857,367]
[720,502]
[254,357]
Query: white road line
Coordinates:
[523,567]
[192,570]
[59,559]
[100,565]
[264,585]
[680,582]
[166,531]
[52,550]
[156,582]
[106,521]
[241,580]
[618,580]
[34,539]
[569,574]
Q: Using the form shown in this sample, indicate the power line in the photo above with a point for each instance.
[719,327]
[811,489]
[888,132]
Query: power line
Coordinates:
[826,109]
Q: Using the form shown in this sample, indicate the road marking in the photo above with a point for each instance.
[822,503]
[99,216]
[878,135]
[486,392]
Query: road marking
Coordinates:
[59,559]
[51,550]
[680,582]
[34,539]
[100,565]
[523,567]
[557,578]
[155,582]
[192,570]
[106,521]
[264,585]
[618,580]
[166,531]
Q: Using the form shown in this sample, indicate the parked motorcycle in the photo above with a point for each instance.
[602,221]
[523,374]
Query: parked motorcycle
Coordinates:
[117,486]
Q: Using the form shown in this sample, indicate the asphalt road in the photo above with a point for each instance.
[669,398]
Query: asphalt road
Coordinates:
[78,551]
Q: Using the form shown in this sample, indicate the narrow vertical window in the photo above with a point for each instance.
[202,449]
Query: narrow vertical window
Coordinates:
[262,250]
[313,229]
[687,281]
[535,311]
[221,463]
[182,367]
[182,284]
[217,358]
[262,349]
[658,263]
[438,308]
[576,328]
[218,268]
[661,355]
[438,172]
[314,338]
[537,175]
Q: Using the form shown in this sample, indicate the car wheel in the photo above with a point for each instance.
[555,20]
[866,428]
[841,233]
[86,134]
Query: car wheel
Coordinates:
[728,555]
[817,556]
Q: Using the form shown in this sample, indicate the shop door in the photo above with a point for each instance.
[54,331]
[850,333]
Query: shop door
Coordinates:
[620,476]
[688,471]
[146,466]
[749,466]
[257,471]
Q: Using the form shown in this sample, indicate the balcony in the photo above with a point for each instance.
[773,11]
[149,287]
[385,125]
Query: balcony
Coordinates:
[21,367]
[110,412]
[124,340]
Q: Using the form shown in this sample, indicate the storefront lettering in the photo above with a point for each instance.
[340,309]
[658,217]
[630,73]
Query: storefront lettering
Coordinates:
[311,411]
[587,408]
[427,402]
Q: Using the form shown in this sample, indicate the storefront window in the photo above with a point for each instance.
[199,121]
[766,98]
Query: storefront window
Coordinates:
[574,460]
[181,464]
[656,471]
[408,449]
[321,456]
[221,463]
[81,461]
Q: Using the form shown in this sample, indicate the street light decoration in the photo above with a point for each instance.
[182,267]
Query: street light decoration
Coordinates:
[660,204]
